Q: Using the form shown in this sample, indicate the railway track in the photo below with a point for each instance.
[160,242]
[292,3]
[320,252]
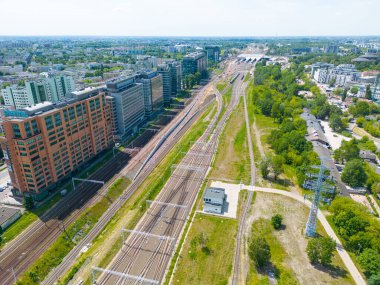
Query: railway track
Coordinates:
[141,255]
[40,235]
[111,211]
[240,234]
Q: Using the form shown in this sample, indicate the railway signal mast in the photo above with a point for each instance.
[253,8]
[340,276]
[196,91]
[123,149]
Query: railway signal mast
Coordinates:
[318,184]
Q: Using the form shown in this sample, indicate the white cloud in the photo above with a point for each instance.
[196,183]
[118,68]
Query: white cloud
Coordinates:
[196,17]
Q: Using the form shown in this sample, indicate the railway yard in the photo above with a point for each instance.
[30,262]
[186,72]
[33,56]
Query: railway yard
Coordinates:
[149,247]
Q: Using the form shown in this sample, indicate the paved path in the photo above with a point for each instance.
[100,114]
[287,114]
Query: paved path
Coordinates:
[358,278]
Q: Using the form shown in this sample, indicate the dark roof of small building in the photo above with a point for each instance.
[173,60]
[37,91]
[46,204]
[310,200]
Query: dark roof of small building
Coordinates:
[6,213]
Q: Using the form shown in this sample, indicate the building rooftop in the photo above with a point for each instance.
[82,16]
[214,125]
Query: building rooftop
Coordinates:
[194,55]
[214,193]
[6,213]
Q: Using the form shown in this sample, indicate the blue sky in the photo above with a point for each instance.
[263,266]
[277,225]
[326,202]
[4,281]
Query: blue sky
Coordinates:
[190,18]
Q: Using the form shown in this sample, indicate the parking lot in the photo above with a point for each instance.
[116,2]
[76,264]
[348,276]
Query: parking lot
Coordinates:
[6,194]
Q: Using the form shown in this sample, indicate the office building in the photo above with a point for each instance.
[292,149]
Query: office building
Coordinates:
[176,77]
[331,49]
[213,53]
[193,63]
[46,142]
[128,100]
[153,92]
[166,73]
[51,88]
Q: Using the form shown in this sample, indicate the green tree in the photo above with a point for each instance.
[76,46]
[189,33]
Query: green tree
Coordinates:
[374,279]
[336,123]
[276,221]
[264,167]
[28,202]
[347,151]
[369,259]
[277,163]
[344,95]
[354,173]
[360,121]
[320,250]
[259,251]
[368,92]
[354,90]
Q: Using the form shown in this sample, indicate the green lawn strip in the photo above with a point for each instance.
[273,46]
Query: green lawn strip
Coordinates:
[239,169]
[136,205]
[247,77]
[31,216]
[73,234]
[208,252]
[221,86]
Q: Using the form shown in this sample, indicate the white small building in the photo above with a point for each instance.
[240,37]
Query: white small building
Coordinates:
[214,200]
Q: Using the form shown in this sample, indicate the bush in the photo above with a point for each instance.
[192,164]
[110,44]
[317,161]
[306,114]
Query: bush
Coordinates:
[276,221]
[320,250]
[374,279]
[259,251]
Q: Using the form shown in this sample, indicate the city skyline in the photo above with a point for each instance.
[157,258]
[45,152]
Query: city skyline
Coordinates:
[204,18]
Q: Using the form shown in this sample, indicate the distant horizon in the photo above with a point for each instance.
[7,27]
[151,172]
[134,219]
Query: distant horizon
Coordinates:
[200,18]
[193,36]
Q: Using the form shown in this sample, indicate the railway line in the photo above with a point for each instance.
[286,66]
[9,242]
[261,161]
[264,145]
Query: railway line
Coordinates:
[197,105]
[239,237]
[144,257]
[26,248]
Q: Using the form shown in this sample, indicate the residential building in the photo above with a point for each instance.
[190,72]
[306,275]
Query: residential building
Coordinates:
[51,88]
[16,97]
[46,142]
[193,63]
[153,92]
[214,200]
[213,53]
[129,101]
[343,73]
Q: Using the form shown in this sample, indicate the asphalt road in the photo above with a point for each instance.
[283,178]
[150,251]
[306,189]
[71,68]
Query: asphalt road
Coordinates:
[324,153]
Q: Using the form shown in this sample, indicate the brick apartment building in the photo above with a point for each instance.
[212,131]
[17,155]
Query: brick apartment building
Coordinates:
[46,142]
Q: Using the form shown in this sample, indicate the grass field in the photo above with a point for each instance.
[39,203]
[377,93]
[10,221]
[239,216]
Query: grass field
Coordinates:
[288,245]
[232,159]
[107,244]
[208,252]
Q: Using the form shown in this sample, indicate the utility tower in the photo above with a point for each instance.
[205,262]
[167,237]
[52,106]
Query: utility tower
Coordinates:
[318,184]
